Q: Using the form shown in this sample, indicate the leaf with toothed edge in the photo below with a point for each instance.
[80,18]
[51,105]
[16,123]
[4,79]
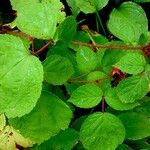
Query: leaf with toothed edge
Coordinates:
[21,77]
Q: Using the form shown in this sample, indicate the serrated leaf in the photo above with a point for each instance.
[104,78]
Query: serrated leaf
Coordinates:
[86,96]
[57,8]
[91,6]
[17,5]
[87,60]
[44,24]
[21,77]
[57,69]
[66,30]
[113,101]
[64,140]
[132,88]
[102,131]
[128,24]
[137,126]
[48,117]
[132,63]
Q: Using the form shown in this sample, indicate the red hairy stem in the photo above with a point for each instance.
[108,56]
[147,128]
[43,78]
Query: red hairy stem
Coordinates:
[125,47]
[38,52]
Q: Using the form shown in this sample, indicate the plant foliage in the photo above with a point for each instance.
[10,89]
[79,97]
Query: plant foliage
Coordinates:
[64,86]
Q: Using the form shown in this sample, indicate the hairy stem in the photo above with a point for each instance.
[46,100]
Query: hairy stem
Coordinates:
[38,52]
[124,47]
[103,105]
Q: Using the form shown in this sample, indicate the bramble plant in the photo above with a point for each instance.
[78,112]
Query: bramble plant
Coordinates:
[64,88]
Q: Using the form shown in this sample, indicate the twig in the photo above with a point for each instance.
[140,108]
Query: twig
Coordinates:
[81,81]
[38,52]
[126,47]
[17,33]
[103,105]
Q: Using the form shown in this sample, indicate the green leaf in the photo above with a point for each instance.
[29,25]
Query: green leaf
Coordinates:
[96,75]
[64,51]
[79,36]
[37,20]
[144,108]
[91,6]
[21,77]
[99,39]
[86,96]
[57,8]
[132,63]
[142,144]
[70,87]
[57,69]
[113,101]
[124,147]
[17,5]
[137,126]
[102,131]
[132,88]
[66,30]
[86,59]
[111,57]
[78,122]
[64,140]
[74,8]
[48,117]
[128,24]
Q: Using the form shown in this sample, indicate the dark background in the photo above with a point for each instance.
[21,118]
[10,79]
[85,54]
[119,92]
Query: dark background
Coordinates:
[7,14]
